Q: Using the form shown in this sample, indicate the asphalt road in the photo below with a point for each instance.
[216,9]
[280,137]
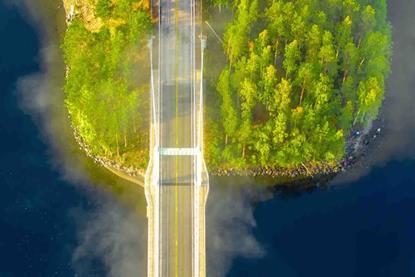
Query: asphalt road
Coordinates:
[177,130]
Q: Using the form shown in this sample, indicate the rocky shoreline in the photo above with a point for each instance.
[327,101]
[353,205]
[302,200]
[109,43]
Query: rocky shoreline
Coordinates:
[356,148]
[109,163]
[302,171]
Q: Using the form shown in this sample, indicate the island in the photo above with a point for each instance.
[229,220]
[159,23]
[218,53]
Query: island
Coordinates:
[288,84]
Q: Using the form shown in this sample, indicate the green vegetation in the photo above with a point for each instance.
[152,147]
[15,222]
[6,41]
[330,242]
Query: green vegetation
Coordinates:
[107,82]
[300,75]
[287,87]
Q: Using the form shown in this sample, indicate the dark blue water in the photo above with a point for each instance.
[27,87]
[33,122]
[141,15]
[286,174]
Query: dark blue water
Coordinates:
[362,229]
[37,233]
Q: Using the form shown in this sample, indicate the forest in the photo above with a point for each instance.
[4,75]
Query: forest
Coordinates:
[299,77]
[289,84]
[107,82]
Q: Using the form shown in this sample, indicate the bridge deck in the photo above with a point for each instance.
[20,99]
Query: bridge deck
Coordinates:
[177,130]
[177,230]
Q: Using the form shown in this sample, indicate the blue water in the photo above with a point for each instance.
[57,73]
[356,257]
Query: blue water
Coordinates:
[37,235]
[363,229]
[366,228]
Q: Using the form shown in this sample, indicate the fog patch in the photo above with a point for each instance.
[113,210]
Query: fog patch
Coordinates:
[398,112]
[41,95]
[229,228]
[114,235]
[399,107]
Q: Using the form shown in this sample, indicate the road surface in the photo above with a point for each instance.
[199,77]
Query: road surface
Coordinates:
[176,183]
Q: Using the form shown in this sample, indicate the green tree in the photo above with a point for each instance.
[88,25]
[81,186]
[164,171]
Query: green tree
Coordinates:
[228,110]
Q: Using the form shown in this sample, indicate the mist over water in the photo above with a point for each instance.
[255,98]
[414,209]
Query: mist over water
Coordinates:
[229,225]
[398,113]
[113,235]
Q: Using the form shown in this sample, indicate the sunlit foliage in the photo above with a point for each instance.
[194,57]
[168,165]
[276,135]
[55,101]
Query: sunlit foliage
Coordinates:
[106,85]
[300,76]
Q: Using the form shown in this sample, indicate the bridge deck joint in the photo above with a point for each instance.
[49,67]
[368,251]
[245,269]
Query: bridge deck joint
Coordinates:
[179,151]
